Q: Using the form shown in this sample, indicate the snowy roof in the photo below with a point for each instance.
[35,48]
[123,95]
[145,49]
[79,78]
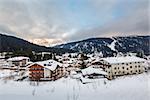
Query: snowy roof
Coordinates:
[90,70]
[127,59]
[49,64]
[70,61]
[96,60]
[17,58]
[66,65]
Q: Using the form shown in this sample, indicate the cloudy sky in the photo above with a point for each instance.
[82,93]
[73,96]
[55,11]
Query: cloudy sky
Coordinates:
[52,22]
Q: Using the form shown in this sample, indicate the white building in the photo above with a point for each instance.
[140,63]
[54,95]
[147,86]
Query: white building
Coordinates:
[3,63]
[117,66]
[18,61]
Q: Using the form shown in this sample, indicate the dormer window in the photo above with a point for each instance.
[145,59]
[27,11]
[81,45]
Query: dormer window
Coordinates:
[49,64]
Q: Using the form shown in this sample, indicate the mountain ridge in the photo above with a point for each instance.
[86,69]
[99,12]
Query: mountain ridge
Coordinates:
[110,46]
[11,43]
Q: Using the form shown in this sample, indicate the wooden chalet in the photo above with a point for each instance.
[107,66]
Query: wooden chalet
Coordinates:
[46,70]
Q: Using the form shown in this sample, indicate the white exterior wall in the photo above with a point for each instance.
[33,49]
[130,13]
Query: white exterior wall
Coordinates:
[47,73]
[21,63]
[10,64]
[125,68]
[130,68]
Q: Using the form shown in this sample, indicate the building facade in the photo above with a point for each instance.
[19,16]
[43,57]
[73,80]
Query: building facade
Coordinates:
[46,70]
[18,61]
[118,66]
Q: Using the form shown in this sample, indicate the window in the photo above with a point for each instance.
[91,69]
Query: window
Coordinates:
[122,67]
[135,66]
[127,64]
[139,66]
[136,71]
[130,66]
[131,71]
[123,72]
[139,71]
[115,68]
[115,72]
[127,68]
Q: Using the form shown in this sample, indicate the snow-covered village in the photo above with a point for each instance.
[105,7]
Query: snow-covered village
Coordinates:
[76,76]
[74,50]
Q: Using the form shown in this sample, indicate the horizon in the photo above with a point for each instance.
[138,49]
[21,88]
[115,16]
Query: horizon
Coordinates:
[72,41]
[52,22]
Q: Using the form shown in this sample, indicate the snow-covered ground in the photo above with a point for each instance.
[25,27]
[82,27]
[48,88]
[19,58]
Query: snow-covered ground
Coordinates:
[135,87]
[7,73]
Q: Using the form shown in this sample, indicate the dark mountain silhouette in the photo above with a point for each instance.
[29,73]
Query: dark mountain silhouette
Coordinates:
[11,44]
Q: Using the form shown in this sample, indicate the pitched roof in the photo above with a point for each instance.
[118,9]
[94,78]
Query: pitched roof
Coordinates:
[49,64]
[17,58]
[90,70]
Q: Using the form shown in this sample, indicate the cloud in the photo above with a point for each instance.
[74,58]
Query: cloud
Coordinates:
[46,41]
[62,20]
[135,22]
[32,18]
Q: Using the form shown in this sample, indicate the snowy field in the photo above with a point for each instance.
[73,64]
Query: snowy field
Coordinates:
[135,87]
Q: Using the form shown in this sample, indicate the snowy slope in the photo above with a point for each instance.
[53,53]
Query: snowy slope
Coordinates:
[110,46]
